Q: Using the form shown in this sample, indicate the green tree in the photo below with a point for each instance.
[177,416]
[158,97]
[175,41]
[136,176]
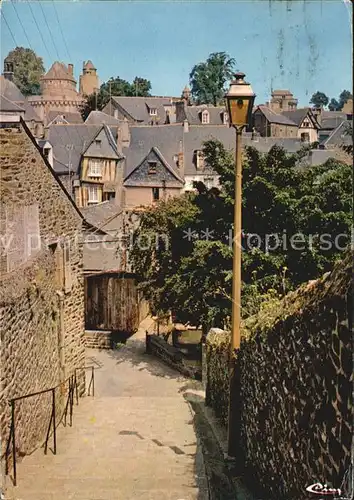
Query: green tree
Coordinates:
[189,269]
[344,97]
[334,105]
[337,105]
[28,68]
[115,87]
[141,87]
[319,100]
[208,79]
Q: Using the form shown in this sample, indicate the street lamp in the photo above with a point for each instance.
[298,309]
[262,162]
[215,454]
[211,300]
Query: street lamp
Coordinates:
[239,99]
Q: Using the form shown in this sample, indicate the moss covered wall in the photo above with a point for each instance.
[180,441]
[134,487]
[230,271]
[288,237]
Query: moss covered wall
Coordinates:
[296,379]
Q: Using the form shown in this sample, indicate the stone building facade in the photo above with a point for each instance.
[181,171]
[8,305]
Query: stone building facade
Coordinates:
[42,288]
[282,100]
[296,383]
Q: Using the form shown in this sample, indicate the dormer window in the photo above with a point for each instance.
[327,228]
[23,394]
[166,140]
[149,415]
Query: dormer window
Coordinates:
[153,111]
[152,167]
[205,117]
[200,160]
[225,118]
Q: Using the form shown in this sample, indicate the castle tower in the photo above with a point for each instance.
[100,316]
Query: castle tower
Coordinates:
[59,82]
[58,92]
[89,81]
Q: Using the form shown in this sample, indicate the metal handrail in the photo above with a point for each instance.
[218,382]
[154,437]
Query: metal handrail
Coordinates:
[73,388]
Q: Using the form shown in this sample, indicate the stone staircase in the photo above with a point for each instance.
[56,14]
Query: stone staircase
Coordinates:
[134,440]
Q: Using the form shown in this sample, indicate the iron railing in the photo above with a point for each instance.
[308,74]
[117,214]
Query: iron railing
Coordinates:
[73,389]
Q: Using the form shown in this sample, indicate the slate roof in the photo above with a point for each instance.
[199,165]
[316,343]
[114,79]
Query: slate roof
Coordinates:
[194,114]
[197,135]
[331,119]
[63,136]
[168,139]
[99,118]
[274,117]
[101,256]
[298,115]
[104,150]
[138,107]
[106,216]
[10,90]
[340,136]
[7,105]
[30,113]
[12,93]
[80,137]
[68,116]
[174,180]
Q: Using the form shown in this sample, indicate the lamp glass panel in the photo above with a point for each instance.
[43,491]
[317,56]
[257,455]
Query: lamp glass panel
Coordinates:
[238,107]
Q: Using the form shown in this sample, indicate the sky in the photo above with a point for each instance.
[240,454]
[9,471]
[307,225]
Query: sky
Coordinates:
[300,45]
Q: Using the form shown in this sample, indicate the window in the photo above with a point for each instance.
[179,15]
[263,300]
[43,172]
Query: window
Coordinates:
[306,123]
[305,137]
[225,118]
[200,160]
[93,194]
[95,168]
[205,117]
[152,167]
[153,111]
[46,152]
[98,142]
[155,194]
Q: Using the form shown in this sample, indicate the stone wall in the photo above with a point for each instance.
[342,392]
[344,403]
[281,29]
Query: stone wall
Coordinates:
[98,339]
[296,387]
[42,321]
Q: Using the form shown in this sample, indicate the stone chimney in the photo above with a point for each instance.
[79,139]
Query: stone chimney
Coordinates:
[180,111]
[123,136]
[185,126]
[71,69]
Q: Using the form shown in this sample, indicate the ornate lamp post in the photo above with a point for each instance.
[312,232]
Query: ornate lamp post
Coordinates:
[239,99]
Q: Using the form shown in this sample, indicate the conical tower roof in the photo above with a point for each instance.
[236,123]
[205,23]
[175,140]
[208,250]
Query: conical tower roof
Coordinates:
[58,71]
[89,65]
